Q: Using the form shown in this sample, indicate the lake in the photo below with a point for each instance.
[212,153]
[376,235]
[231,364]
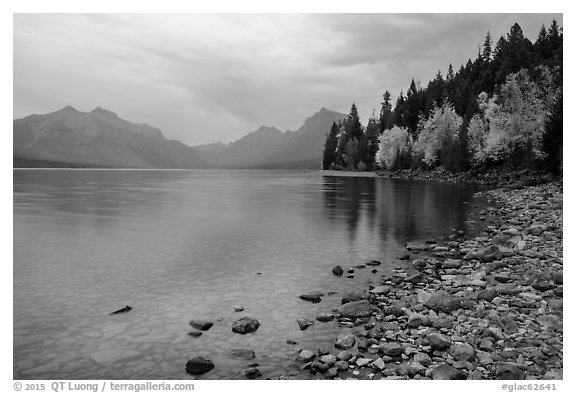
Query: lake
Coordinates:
[179,245]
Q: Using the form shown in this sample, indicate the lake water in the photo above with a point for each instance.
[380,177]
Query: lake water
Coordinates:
[180,245]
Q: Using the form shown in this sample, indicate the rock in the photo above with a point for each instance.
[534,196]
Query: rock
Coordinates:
[414,279]
[122,310]
[423,296]
[304,323]
[338,271]
[246,354]
[354,296]
[543,285]
[238,308]
[245,325]
[413,246]
[404,257]
[342,365]
[198,365]
[439,342]
[358,309]
[306,355]
[507,371]
[201,324]
[252,373]
[420,264]
[325,317]
[345,341]
[314,297]
[443,323]
[452,264]
[332,372]
[463,352]
[423,359]
[328,359]
[379,364]
[487,294]
[381,290]
[489,254]
[558,277]
[194,333]
[416,320]
[291,342]
[391,349]
[446,372]
[373,263]
[550,322]
[362,362]
[443,301]
[345,355]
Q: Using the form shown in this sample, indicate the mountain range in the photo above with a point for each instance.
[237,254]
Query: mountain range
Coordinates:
[102,139]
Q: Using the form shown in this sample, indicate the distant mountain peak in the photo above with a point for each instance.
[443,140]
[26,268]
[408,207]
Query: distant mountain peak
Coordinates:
[104,113]
[69,108]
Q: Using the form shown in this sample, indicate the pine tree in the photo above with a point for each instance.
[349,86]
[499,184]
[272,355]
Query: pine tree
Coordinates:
[369,143]
[487,49]
[353,125]
[386,115]
[329,156]
[552,141]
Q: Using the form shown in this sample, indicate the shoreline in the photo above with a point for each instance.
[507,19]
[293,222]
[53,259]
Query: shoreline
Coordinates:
[488,307]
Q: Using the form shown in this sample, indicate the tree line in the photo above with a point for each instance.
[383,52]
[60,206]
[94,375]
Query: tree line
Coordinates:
[502,109]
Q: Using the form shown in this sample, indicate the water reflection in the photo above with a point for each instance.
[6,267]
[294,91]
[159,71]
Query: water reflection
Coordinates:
[402,210]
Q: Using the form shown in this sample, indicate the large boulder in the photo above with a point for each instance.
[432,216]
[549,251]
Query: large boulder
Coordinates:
[359,309]
[198,365]
[245,325]
[338,271]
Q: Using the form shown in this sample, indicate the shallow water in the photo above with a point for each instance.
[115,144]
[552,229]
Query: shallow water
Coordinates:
[179,245]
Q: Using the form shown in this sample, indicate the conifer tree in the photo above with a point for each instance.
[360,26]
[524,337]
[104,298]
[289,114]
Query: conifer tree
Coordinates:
[329,156]
[386,115]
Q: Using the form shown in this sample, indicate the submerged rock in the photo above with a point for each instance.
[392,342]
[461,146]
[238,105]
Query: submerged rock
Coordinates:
[358,309]
[304,323]
[354,296]
[198,365]
[245,325]
[201,324]
[338,271]
[122,310]
[246,354]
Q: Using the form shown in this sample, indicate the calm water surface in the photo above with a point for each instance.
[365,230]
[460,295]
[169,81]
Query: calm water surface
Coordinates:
[179,245]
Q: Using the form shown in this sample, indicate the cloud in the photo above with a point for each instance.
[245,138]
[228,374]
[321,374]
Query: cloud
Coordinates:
[204,78]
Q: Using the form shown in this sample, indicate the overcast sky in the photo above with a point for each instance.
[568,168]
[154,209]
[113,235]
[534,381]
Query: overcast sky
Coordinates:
[209,78]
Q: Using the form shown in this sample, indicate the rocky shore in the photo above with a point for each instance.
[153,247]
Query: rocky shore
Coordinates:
[500,177]
[488,307]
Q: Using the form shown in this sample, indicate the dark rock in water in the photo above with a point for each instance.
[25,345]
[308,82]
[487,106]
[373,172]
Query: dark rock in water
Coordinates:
[507,371]
[198,365]
[345,341]
[201,324]
[338,271]
[238,308]
[122,310]
[439,342]
[443,301]
[304,323]
[246,354]
[311,298]
[245,325]
[404,257]
[252,373]
[291,342]
[373,263]
[446,372]
[358,309]
[325,317]
[195,333]
[354,296]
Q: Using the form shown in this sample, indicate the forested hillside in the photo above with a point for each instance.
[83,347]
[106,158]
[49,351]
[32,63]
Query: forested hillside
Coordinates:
[502,109]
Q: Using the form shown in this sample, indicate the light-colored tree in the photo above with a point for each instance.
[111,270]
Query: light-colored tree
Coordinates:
[391,144]
[512,122]
[441,128]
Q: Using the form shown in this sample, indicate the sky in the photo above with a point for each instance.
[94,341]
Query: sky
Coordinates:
[204,78]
